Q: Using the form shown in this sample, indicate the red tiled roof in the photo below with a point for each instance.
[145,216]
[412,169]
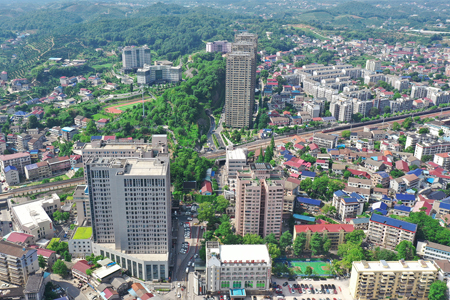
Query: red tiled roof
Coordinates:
[17,237]
[402,165]
[293,180]
[45,252]
[146,296]
[81,266]
[206,186]
[109,292]
[323,228]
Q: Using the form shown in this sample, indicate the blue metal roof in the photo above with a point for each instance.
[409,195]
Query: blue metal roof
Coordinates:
[9,168]
[309,201]
[360,220]
[96,137]
[383,174]
[357,196]
[30,167]
[288,157]
[308,174]
[393,222]
[284,152]
[379,205]
[416,172]
[350,200]
[402,208]
[405,197]
[304,218]
[67,129]
[340,193]
[444,205]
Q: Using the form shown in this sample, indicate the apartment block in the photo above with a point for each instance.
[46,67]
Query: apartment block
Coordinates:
[380,178]
[158,74]
[392,279]
[135,57]
[34,289]
[38,170]
[431,149]
[126,148]
[373,65]
[236,159]
[240,81]
[325,140]
[240,90]
[81,200]
[218,46]
[259,200]
[130,204]
[433,251]
[388,232]
[335,232]
[17,263]
[237,267]
[18,160]
[80,244]
[443,160]
[346,205]
[359,183]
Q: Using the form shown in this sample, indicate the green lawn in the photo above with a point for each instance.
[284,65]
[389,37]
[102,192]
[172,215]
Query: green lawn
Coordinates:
[109,65]
[124,108]
[318,267]
[53,240]
[97,117]
[82,233]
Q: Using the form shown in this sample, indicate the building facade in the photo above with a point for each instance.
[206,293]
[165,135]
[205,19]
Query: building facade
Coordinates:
[335,232]
[130,204]
[136,57]
[17,263]
[388,232]
[237,267]
[236,159]
[259,200]
[392,280]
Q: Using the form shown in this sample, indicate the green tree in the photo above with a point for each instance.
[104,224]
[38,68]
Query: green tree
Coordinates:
[271,239]
[65,216]
[299,244]
[285,241]
[253,239]
[221,204]
[346,134]
[274,251]
[42,262]
[91,129]
[328,209]
[67,256]
[347,174]
[396,126]
[438,291]
[441,132]
[355,236]
[60,268]
[32,122]
[407,123]
[79,173]
[405,250]
[57,215]
[373,112]
[426,158]
[206,212]
[424,130]
[396,173]
[316,244]
[308,271]
[326,244]
[89,272]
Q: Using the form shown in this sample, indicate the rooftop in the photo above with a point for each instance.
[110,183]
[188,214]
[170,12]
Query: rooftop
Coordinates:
[390,266]
[82,233]
[323,228]
[13,249]
[244,253]
[31,214]
[393,222]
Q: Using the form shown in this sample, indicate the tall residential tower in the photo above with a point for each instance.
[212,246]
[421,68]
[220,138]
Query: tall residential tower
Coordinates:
[135,57]
[240,81]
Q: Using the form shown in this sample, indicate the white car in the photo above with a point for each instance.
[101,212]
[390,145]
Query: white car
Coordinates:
[179,295]
[179,284]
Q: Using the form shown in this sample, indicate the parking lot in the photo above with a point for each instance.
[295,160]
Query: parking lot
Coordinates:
[313,290]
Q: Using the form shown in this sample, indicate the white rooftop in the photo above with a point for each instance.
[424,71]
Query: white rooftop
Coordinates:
[106,271]
[238,153]
[31,214]
[244,253]
[395,266]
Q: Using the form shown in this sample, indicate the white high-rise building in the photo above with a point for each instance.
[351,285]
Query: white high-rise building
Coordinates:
[130,203]
[373,65]
[136,57]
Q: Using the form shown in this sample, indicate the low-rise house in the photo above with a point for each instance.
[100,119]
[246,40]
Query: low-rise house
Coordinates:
[338,169]
[18,160]
[38,170]
[323,164]
[406,199]
[80,243]
[381,178]
[374,166]
[106,272]
[359,183]
[325,140]
[48,255]
[360,223]
[21,238]
[79,270]
[67,133]
[398,185]
[401,210]
[11,175]
[402,165]
[309,205]
[35,287]
[59,165]
[119,284]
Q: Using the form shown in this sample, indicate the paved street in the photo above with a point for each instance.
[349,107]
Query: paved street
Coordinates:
[69,286]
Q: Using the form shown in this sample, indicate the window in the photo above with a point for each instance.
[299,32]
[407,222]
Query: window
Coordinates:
[260,284]
[225,284]
[236,284]
[249,284]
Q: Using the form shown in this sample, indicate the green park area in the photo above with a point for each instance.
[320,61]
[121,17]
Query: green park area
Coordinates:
[53,241]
